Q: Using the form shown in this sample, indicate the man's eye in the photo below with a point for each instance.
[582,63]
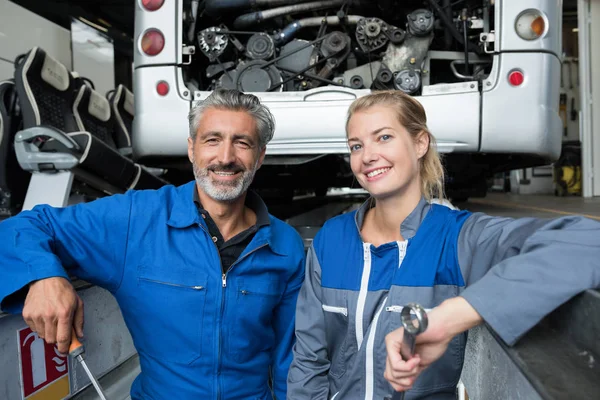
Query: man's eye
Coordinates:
[355,147]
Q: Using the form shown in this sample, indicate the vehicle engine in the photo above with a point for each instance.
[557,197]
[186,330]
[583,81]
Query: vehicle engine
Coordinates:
[286,45]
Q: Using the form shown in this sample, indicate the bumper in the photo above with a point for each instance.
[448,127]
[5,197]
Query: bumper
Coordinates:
[160,126]
[523,119]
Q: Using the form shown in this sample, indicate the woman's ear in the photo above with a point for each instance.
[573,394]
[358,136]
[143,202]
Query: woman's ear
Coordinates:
[422,144]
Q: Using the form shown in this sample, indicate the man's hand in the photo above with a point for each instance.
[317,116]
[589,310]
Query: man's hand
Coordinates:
[452,317]
[52,309]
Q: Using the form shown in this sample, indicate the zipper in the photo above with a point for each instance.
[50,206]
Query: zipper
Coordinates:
[369,355]
[173,284]
[223,287]
[362,294]
[218,326]
[402,246]
[396,309]
[337,310]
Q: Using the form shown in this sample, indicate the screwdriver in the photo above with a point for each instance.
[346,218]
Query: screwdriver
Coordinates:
[76,350]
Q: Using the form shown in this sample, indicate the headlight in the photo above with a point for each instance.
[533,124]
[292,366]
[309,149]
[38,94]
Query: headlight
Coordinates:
[531,24]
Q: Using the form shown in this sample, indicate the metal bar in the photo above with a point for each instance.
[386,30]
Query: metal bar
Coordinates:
[116,383]
[92,378]
[51,188]
[583,16]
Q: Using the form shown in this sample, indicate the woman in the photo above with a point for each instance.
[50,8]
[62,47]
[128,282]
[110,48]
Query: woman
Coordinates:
[398,248]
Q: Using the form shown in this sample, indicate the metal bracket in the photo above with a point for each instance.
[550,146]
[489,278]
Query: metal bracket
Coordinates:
[188,52]
[487,38]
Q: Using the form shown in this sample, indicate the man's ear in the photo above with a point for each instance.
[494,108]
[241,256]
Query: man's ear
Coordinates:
[191,150]
[422,144]
[261,157]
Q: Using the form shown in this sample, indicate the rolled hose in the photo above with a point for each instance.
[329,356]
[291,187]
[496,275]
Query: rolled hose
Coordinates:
[290,30]
[217,7]
[247,20]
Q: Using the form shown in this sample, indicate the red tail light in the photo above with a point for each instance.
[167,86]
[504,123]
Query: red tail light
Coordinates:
[153,42]
[162,88]
[152,5]
[516,77]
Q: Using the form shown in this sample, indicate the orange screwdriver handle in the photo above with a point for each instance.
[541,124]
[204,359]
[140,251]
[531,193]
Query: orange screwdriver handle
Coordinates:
[76,348]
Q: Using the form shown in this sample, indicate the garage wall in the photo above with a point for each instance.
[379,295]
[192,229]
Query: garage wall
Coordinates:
[20,30]
[93,56]
[595,106]
[589,60]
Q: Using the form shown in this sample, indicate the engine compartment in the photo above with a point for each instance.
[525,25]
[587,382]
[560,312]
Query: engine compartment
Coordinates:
[279,46]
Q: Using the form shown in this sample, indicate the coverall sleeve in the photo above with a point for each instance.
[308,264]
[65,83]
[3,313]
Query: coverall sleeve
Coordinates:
[87,240]
[284,320]
[519,270]
[307,378]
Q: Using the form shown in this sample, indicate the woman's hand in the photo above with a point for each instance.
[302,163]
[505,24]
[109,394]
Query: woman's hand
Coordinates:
[452,317]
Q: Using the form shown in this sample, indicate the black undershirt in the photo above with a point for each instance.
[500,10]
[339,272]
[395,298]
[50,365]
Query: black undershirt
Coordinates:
[230,250]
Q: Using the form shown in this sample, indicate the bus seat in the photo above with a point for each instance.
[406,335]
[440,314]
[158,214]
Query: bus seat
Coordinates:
[13,179]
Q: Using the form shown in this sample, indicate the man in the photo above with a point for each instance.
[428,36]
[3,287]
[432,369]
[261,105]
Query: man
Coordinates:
[206,280]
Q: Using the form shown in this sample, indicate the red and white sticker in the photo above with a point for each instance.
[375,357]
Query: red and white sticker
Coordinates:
[44,371]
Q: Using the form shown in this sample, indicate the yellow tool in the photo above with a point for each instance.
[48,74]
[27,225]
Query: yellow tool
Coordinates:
[76,350]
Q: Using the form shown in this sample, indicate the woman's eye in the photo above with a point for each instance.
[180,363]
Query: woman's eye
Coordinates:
[355,147]
[385,137]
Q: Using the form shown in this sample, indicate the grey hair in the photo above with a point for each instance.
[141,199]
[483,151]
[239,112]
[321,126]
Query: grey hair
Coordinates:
[234,100]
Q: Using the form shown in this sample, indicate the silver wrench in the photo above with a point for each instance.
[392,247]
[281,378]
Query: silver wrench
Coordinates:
[411,330]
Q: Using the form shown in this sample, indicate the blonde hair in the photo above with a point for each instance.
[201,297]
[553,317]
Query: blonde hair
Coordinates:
[412,117]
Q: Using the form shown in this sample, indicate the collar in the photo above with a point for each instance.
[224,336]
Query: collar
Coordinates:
[184,213]
[253,202]
[409,227]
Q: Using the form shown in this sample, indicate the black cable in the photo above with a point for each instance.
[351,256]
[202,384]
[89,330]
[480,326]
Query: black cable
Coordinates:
[464,18]
[296,73]
[453,4]
[237,32]
[225,70]
[293,51]
[317,78]
[450,26]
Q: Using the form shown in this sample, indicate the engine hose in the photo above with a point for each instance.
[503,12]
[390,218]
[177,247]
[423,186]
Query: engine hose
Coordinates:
[292,29]
[450,26]
[464,17]
[247,20]
[447,34]
[194,12]
[215,8]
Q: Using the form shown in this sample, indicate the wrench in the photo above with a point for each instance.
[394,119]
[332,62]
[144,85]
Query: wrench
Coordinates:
[410,333]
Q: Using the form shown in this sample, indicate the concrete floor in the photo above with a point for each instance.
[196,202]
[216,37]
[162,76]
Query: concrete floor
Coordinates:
[539,206]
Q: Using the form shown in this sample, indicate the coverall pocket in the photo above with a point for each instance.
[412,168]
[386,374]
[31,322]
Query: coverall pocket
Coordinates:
[253,312]
[168,315]
[337,328]
[451,362]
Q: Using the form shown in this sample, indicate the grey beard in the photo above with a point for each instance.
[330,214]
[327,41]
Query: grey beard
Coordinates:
[223,191]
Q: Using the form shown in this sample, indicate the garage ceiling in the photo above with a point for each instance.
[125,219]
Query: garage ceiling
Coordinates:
[118,15]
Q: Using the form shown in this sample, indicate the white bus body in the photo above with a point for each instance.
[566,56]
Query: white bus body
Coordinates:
[500,113]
